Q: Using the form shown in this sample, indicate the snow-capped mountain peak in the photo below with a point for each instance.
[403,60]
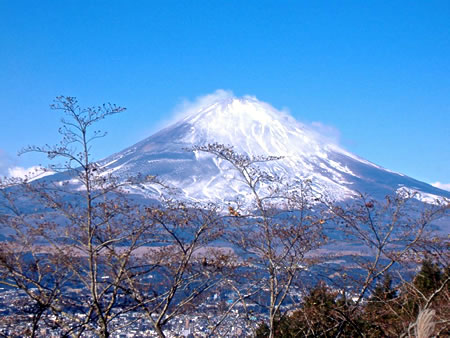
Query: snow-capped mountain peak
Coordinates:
[251,126]
[255,128]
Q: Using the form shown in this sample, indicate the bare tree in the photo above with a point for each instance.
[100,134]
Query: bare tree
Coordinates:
[374,293]
[175,276]
[25,266]
[62,248]
[275,229]
[86,253]
[390,235]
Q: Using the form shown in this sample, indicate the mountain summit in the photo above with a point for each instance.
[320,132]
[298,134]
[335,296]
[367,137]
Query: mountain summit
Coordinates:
[255,128]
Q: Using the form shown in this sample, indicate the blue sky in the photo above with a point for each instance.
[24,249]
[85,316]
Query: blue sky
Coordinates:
[377,73]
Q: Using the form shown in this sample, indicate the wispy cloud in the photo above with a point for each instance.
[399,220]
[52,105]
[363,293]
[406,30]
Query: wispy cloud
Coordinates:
[326,132]
[9,168]
[443,186]
[21,172]
[188,107]
[30,174]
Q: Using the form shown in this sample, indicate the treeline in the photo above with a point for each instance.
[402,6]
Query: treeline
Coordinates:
[84,251]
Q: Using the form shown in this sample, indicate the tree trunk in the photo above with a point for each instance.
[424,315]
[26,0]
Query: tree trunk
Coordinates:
[159,331]
[271,327]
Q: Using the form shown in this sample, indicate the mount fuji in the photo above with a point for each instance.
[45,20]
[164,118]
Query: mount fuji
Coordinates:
[254,128]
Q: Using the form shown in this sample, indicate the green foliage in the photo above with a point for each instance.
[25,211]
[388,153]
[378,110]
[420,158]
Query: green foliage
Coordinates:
[318,313]
[383,291]
[262,331]
[322,314]
[429,277]
[379,313]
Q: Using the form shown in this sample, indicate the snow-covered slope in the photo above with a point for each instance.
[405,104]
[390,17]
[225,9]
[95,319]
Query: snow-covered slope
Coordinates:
[254,128]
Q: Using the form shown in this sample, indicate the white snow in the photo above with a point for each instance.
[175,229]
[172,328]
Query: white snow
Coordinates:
[423,196]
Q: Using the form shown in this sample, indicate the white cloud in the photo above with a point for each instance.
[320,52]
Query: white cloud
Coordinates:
[30,173]
[189,107]
[9,168]
[443,186]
